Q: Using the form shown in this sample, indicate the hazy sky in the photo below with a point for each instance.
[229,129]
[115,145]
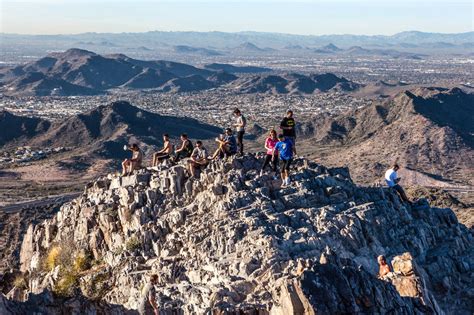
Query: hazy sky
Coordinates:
[282,16]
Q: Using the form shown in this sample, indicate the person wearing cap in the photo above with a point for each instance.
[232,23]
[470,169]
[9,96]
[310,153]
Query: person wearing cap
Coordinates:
[287,125]
[240,123]
[227,145]
[135,163]
[392,180]
[284,148]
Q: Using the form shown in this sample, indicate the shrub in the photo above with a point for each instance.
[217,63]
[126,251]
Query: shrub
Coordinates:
[20,282]
[132,244]
[66,284]
[52,258]
[82,262]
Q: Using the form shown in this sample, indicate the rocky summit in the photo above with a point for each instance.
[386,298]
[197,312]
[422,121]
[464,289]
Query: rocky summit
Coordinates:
[233,242]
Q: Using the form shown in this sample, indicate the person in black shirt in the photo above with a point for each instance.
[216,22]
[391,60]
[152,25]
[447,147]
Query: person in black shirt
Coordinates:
[185,150]
[287,126]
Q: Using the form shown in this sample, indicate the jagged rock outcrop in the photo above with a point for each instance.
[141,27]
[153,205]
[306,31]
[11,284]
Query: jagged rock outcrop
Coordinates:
[231,241]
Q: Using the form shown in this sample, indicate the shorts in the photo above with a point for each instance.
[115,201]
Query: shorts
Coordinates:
[285,164]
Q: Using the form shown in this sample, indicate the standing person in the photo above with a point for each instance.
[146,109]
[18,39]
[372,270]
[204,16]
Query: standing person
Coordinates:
[392,179]
[129,165]
[185,149]
[227,145]
[284,147]
[198,158]
[148,303]
[270,143]
[164,153]
[240,123]
[287,126]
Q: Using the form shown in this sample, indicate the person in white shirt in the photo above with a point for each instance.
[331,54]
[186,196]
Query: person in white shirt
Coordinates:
[198,159]
[392,179]
[240,123]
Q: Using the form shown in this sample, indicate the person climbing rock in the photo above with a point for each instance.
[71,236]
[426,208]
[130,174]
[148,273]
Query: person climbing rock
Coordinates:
[198,159]
[129,165]
[392,180]
[164,153]
[240,123]
[288,126]
[284,147]
[149,302]
[185,149]
[270,143]
[384,268]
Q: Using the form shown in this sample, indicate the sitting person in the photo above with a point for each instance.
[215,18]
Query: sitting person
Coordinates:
[164,153]
[227,145]
[135,163]
[392,179]
[185,149]
[270,143]
[384,268]
[198,159]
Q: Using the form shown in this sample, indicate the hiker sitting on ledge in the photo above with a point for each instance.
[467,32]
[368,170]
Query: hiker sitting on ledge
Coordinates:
[135,163]
[198,159]
[227,145]
[164,153]
[185,149]
[392,179]
[384,268]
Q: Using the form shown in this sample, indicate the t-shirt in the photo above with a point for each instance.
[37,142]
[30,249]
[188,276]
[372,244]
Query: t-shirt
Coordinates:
[199,153]
[232,143]
[390,177]
[148,291]
[288,122]
[188,147]
[270,143]
[285,148]
[240,120]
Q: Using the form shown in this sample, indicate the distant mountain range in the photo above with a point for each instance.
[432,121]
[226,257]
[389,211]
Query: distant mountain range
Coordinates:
[217,43]
[102,131]
[428,130]
[292,83]
[82,72]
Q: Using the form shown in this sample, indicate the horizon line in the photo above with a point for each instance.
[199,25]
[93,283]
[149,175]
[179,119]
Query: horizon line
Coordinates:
[246,31]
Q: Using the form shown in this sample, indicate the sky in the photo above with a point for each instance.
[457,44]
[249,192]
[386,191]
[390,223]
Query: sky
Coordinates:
[306,17]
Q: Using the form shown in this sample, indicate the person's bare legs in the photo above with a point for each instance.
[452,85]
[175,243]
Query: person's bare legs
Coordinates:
[125,167]
[155,160]
[191,168]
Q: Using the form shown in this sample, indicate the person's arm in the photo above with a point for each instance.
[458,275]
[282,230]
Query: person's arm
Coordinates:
[164,148]
[267,145]
[182,146]
[275,150]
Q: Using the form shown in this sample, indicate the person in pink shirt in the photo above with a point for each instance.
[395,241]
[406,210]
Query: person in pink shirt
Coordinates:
[269,157]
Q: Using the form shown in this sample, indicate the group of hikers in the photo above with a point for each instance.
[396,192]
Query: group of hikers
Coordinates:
[281,147]
[278,148]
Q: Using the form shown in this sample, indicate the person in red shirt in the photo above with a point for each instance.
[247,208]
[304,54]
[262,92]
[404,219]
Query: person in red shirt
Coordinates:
[270,143]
